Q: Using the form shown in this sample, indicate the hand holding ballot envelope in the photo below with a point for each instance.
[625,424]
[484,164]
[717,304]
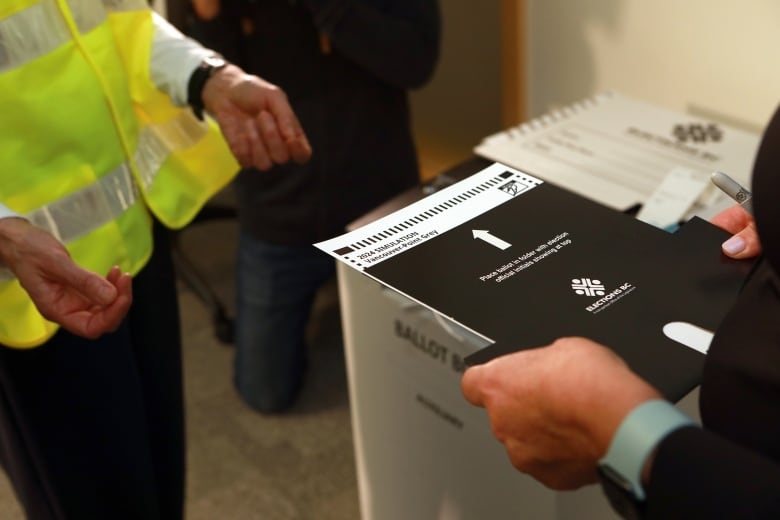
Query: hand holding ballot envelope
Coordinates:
[557,408]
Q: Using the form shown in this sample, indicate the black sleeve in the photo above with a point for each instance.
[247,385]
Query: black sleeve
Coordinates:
[399,44]
[697,474]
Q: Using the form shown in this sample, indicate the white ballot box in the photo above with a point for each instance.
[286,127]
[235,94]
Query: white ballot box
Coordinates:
[422,451]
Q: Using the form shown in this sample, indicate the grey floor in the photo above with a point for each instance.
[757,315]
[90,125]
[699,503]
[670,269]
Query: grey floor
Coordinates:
[243,465]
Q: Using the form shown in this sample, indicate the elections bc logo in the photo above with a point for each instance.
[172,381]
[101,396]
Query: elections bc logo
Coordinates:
[697,133]
[595,288]
[587,287]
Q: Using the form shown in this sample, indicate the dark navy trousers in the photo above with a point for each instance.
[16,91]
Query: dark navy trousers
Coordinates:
[94,429]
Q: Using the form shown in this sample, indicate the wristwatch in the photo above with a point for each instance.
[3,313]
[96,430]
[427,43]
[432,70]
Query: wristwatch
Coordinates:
[200,75]
[620,471]
[621,493]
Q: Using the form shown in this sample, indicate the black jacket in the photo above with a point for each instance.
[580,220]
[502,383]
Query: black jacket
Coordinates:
[351,101]
[731,469]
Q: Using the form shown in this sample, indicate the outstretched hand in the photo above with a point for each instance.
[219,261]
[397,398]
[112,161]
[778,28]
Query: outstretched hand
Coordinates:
[745,242]
[556,408]
[82,302]
[256,119]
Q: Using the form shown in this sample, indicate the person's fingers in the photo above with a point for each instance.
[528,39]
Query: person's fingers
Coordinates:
[300,149]
[744,244]
[100,321]
[235,135]
[77,323]
[732,219]
[471,385]
[113,275]
[115,313]
[279,107]
[288,125]
[259,151]
[94,288]
[274,145]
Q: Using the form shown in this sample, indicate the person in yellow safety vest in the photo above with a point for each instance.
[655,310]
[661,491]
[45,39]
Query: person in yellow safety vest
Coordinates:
[99,153]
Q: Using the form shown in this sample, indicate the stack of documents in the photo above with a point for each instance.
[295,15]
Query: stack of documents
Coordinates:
[620,151]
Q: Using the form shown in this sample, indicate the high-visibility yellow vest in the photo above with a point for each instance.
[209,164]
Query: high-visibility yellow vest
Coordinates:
[87,143]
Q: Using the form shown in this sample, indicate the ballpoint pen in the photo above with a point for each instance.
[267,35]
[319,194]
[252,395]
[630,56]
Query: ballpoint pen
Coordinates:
[734,190]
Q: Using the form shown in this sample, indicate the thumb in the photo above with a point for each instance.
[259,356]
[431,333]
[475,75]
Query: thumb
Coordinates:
[471,385]
[91,286]
[744,244]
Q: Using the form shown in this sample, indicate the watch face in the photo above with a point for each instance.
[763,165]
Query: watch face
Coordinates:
[214,62]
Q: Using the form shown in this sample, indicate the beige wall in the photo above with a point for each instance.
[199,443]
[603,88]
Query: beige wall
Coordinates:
[717,58]
[462,103]
[714,58]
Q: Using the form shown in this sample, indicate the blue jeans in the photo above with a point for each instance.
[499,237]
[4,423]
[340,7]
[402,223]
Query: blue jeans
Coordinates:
[275,289]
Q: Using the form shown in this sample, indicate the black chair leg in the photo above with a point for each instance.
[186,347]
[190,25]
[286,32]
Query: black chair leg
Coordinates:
[222,322]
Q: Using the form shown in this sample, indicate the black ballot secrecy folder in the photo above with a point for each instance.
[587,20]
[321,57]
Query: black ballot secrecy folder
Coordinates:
[521,262]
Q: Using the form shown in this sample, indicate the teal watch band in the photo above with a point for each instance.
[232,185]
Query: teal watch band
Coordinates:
[636,438]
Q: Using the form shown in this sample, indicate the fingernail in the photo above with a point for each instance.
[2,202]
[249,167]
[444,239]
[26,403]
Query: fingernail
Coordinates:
[734,245]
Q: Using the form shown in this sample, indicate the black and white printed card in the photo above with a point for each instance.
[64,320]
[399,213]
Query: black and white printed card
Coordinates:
[522,262]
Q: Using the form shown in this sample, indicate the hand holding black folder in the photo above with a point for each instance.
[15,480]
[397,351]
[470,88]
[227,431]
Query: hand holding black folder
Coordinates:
[572,389]
[522,262]
[577,269]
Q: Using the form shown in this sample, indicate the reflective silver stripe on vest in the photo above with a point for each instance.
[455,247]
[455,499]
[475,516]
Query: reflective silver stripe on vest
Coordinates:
[157,142]
[85,210]
[40,28]
[89,208]
[93,206]
[87,14]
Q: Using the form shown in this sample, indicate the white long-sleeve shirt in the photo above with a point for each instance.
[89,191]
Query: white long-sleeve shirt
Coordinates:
[174,58]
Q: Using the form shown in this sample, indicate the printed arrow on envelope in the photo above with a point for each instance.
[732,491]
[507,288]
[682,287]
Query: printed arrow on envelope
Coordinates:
[485,235]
